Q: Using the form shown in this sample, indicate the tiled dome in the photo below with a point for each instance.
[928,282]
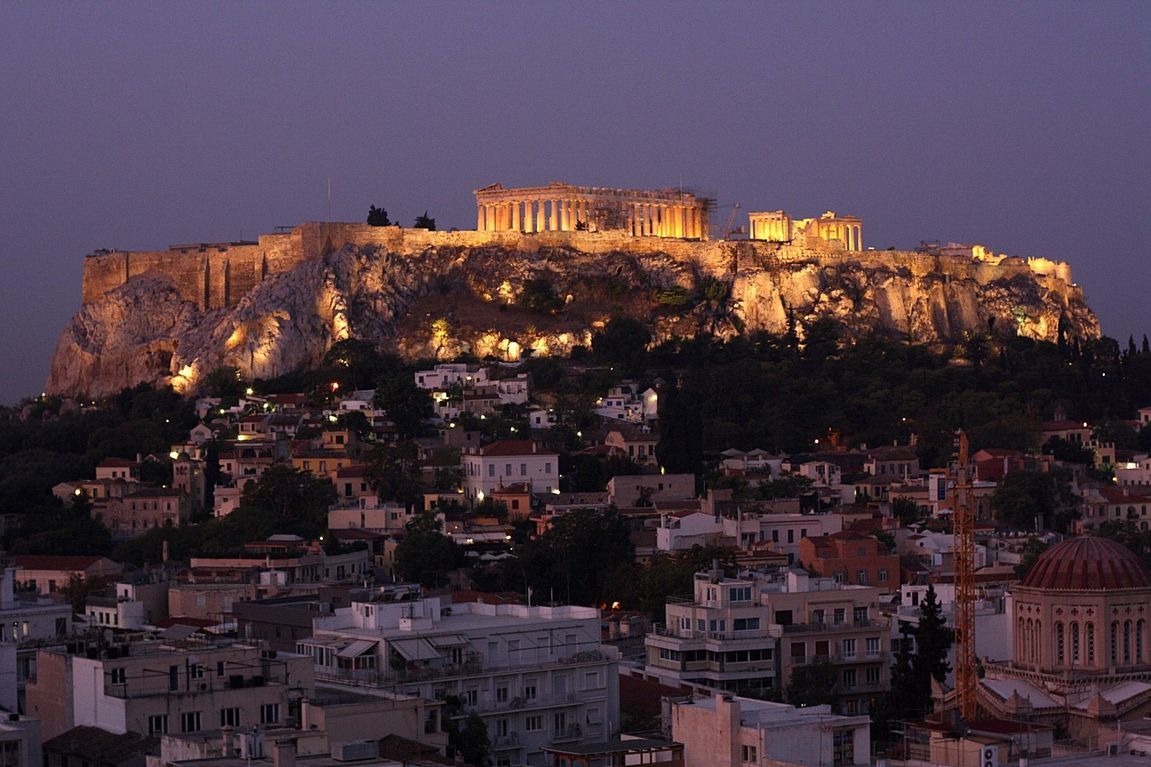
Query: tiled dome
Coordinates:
[1088,564]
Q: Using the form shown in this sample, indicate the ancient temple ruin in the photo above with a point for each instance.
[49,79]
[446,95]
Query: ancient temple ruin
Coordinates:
[560,207]
[777,226]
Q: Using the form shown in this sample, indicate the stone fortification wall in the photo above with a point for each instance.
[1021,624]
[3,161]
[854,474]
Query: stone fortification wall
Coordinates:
[216,275]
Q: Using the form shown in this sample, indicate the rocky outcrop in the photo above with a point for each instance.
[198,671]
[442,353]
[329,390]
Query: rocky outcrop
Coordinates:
[447,299]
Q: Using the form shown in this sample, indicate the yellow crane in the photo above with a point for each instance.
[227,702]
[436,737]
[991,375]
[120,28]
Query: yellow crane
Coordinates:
[966,677]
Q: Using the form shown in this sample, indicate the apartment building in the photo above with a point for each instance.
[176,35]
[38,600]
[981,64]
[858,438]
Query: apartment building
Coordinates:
[728,731]
[507,462]
[154,688]
[850,558]
[538,676]
[750,634]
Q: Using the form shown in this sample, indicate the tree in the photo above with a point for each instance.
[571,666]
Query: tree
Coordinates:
[407,405]
[224,381]
[425,555]
[378,217]
[393,471]
[1031,552]
[425,222]
[933,639]
[905,510]
[297,499]
[584,558]
[814,684]
[472,742]
[1022,498]
[538,295]
[623,341]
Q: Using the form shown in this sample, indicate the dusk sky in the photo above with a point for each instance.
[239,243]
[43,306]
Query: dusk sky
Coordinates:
[1022,126]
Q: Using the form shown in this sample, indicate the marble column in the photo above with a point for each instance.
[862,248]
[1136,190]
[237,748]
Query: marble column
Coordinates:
[566,215]
[516,216]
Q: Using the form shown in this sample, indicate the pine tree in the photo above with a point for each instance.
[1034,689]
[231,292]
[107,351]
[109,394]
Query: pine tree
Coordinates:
[932,641]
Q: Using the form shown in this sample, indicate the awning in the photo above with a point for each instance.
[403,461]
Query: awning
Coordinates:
[414,649]
[448,640]
[357,648]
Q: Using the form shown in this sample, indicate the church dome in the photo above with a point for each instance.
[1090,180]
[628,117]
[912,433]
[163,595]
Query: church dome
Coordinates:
[1088,564]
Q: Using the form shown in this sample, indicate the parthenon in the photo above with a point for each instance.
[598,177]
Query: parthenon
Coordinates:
[775,225]
[565,207]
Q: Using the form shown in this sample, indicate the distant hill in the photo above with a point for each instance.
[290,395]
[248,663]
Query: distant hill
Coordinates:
[274,306]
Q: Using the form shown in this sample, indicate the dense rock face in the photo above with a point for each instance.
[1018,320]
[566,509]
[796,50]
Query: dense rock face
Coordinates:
[443,300]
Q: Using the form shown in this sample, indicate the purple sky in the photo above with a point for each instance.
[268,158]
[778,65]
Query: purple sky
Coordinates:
[1023,126]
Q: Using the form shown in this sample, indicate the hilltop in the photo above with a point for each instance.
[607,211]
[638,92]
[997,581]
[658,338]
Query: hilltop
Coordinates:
[274,306]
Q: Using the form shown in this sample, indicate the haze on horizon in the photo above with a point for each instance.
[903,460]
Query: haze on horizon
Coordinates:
[136,125]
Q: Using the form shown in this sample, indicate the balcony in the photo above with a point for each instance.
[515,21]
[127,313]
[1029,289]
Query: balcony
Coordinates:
[829,628]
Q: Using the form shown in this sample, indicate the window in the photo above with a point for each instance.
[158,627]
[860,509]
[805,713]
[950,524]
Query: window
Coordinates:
[559,722]
[158,724]
[873,646]
[748,755]
[270,713]
[501,728]
[523,469]
[119,676]
[775,536]
[591,680]
[740,594]
[840,615]
[230,717]
[533,723]
[882,576]
[491,469]
[859,615]
[472,696]
[848,648]
[871,675]
[791,536]
[190,721]
[849,679]
[502,694]
[529,691]
[745,624]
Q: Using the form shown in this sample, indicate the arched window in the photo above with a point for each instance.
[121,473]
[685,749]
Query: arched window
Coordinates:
[1027,648]
[1020,639]
[1090,629]
[1126,642]
[1139,625]
[1059,642]
[1074,643]
[1115,643]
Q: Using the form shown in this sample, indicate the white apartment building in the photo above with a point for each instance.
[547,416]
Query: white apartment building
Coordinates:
[783,531]
[538,676]
[369,514]
[728,731]
[509,462]
[156,688]
[749,634]
[680,530]
[32,618]
[447,374]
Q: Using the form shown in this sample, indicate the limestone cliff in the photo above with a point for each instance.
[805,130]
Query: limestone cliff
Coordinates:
[441,294]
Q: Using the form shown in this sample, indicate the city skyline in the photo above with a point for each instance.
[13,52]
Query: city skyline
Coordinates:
[140,126]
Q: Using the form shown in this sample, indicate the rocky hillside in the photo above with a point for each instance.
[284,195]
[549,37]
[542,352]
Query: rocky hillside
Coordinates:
[443,301]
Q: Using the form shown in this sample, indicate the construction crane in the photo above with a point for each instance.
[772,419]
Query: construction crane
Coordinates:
[729,228]
[966,677]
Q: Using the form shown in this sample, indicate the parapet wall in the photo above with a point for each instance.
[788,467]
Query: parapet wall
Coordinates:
[216,275]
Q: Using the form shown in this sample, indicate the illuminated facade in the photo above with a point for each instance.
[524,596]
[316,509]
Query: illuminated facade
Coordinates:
[560,207]
[846,232]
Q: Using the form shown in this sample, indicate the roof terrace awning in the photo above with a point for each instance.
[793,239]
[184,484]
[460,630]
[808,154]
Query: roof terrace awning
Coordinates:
[414,649]
[357,648]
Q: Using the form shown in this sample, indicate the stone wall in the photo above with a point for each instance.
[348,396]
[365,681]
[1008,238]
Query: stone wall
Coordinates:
[216,275]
